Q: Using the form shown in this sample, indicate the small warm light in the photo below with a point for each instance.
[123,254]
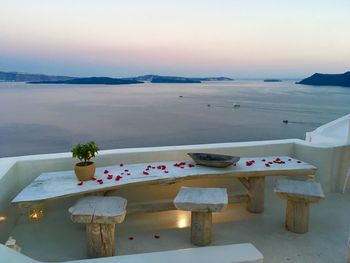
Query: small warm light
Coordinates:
[182,221]
[3,218]
[36,214]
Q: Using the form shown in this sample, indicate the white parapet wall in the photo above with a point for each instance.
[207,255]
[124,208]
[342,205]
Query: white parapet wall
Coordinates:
[337,131]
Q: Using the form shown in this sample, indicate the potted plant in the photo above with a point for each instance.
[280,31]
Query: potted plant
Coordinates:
[85,169]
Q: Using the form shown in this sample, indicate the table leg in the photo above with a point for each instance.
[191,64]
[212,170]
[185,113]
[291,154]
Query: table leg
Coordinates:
[100,240]
[201,223]
[256,193]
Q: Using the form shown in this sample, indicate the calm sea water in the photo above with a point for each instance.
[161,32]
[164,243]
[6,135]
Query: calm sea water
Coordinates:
[53,118]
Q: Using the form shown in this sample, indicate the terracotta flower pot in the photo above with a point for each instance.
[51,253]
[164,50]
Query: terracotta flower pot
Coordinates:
[85,172]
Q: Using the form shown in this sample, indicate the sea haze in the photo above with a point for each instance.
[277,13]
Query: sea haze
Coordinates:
[53,118]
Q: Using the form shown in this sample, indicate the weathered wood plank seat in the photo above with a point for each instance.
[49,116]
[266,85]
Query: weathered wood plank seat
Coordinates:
[299,195]
[237,253]
[100,214]
[201,202]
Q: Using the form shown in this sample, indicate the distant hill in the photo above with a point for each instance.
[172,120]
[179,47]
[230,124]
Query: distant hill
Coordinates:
[177,79]
[24,77]
[319,79]
[92,80]
[272,80]
[47,79]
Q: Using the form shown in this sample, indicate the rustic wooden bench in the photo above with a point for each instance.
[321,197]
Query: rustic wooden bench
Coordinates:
[201,202]
[100,214]
[299,194]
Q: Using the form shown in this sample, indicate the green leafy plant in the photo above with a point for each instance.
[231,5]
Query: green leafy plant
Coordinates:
[84,152]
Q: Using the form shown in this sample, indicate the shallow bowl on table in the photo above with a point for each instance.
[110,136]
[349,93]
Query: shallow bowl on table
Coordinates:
[214,160]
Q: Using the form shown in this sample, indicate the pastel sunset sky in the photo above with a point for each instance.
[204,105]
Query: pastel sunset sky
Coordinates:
[234,38]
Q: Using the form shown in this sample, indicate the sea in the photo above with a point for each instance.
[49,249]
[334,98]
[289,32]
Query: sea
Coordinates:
[51,118]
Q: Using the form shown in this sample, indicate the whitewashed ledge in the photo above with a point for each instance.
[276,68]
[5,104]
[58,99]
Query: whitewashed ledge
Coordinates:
[235,253]
[62,184]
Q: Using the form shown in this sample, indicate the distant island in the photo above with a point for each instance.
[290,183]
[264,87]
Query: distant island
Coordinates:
[46,79]
[92,80]
[272,80]
[25,77]
[319,79]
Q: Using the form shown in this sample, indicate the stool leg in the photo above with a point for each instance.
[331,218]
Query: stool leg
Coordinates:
[100,240]
[297,216]
[201,223]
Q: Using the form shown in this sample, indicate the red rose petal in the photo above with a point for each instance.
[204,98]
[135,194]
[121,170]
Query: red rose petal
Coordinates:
[121,165]
[81,183]
[156,236]
[93,179]
[131,238]
[267,165]
[145,173]
[263,160]
[298,161]
[105,171]
[110,176]
[118,177]
[101,182]
[126,170]
[289,159]
[190,165]
[128,173]
[166,171]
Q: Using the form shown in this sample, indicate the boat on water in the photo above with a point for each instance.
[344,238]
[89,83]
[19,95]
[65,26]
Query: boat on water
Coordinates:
[154,228]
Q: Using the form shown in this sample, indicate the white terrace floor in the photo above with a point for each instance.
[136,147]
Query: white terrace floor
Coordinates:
[57,238]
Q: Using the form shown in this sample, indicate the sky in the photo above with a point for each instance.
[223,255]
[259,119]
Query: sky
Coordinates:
[233,38]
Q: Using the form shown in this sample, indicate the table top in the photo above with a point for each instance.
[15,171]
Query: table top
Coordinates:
[201,199]
[54,185]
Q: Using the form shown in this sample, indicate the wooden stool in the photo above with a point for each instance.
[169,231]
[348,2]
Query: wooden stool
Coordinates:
[100,214]
[299,195]
[201,202]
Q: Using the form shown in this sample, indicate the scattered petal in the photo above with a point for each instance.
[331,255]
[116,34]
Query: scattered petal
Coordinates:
[110,176]
[121,165]
[128,173]
[156,236]
[166,171]
[81,183]
[190,165]
[298,161]
[267,164]
[106,172]
[263,160]
[131,238]
[145,173]
[93,178]
[118,177]
[126,170]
